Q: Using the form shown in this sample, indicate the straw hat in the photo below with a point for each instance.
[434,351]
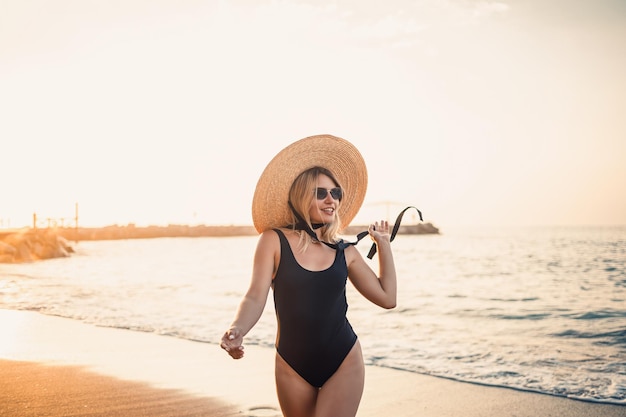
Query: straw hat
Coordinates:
[270,206]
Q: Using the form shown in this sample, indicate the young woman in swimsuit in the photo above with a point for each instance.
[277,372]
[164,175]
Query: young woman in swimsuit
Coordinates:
[319,367]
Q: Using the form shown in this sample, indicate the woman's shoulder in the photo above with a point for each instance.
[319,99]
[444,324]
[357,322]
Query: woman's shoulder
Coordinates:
[268,241]
[269,234]
[352,253]
[273,235]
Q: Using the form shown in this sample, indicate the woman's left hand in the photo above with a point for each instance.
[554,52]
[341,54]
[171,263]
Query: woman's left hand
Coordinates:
[232,342]
[379,231]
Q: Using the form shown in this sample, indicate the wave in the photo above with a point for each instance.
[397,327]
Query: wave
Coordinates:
[611,338]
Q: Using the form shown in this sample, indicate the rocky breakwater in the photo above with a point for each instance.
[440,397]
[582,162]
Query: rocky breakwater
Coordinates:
[32,245]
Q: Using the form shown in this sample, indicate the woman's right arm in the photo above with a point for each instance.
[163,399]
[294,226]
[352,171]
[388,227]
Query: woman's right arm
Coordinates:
[253,303]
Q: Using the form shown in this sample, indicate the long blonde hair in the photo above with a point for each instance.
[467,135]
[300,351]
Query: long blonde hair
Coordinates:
[301,198]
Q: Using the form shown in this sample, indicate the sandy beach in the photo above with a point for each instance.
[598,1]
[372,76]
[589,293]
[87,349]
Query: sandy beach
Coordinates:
[52,366]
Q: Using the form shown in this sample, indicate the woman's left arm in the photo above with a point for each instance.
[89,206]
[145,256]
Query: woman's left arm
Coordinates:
[380,289]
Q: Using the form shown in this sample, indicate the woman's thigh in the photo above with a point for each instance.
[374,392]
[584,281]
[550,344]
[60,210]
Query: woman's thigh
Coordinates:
[296,397]
[341,394]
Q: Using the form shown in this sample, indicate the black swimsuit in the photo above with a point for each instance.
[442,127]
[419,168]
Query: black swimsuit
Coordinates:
[314,335]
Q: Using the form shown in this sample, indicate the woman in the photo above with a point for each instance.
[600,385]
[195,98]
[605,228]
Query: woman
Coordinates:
[308,193]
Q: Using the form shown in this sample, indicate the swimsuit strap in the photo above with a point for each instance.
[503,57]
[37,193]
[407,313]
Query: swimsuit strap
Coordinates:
[341,245]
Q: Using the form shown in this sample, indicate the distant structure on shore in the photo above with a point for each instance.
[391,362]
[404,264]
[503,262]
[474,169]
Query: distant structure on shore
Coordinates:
[50,237]
[134,232]
[408,229]
[32,244]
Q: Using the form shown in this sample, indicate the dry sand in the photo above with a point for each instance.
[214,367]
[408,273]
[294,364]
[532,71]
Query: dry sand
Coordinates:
[52,366]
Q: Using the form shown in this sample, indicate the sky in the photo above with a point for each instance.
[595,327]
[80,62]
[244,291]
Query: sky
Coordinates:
[166,112]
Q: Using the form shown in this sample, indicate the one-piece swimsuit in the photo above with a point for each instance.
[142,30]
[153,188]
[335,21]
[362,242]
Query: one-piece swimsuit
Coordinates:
[314,335]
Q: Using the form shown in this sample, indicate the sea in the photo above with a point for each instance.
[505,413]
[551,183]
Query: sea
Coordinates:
[539,309]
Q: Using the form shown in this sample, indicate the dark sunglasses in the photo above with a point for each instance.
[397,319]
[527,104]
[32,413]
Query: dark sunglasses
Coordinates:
[321,193]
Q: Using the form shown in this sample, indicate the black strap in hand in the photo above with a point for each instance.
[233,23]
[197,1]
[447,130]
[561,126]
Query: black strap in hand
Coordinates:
[394,231]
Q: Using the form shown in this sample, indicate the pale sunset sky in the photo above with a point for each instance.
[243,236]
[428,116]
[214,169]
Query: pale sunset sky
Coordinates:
[486,112]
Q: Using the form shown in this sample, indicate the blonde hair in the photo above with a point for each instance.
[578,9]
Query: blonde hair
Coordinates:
[301,198]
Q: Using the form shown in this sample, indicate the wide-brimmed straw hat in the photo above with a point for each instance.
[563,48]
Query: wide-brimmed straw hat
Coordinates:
[270,207]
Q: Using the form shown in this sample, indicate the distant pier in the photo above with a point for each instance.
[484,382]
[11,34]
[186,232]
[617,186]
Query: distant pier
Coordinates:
[32,244]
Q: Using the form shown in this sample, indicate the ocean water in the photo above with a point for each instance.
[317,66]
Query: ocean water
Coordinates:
[537,309]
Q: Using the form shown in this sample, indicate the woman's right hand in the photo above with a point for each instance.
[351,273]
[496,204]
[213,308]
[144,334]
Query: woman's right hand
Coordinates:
[232,342]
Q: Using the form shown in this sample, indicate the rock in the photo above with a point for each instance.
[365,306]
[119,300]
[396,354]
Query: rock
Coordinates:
[7,249]
[7,253]
[7,259]
[32,245]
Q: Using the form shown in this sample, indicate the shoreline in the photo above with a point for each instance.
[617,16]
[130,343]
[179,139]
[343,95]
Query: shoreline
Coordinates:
[84,361]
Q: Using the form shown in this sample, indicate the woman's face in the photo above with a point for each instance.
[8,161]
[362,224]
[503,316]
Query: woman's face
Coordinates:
[323,211]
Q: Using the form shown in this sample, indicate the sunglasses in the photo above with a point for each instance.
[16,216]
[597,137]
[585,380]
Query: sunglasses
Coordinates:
[321,193]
